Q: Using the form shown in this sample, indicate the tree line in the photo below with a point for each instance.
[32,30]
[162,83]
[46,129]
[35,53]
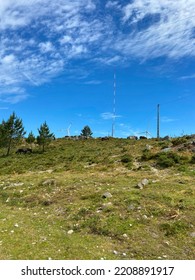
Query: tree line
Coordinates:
[12,132]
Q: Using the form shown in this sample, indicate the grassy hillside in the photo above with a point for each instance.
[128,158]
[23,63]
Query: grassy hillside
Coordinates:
[80,200]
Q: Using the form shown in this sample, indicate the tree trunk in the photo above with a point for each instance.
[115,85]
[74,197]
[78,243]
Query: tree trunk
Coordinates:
[9,147]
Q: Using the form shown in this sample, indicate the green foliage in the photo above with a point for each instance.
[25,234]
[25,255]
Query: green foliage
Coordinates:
[86,132]
[193,159]
[165,161]
[179,141]
[174,228]
[11,132]
[45,136]
[169,159]
[126,158]
[147,155]
[31,138]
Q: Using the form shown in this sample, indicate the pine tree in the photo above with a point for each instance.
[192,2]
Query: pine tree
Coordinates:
[45,136]
[31,138]
[86,132]
[11,132]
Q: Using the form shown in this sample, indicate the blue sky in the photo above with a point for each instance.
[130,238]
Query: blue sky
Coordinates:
[58,60]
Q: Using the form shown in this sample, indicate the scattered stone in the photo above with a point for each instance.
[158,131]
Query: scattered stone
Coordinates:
[106,195]
[131,207]
[145,217]
[106,205]
[16,225]
[70,232]
[18,184]
[192,234]
[125,235]
[115,252]
[166,150]
[148,147]
[167,243]
[49,182]
[142,184]
[145,182]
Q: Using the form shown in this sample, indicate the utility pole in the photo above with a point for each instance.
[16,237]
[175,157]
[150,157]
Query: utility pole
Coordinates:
[114,107]
[158,121]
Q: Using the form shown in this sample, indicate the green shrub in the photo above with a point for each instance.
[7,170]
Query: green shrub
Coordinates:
[164,161]
[126,158]
[174,228]
[168,159]
[179,141]
[147,155]
[192,159]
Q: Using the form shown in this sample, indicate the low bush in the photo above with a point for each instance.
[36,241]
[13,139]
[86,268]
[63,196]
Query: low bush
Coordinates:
[168,159]
[126,158]
[179,141]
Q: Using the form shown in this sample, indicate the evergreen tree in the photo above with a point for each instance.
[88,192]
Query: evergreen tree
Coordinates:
[86,132]
[11,132]
[31,138]
[45,136]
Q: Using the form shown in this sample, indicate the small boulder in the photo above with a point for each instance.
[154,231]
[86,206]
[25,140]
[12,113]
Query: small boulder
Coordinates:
[192,234]
[49,182]
[106,195]
[142,184]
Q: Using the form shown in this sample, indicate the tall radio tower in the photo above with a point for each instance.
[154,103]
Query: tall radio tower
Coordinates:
[158,121]
[114,107]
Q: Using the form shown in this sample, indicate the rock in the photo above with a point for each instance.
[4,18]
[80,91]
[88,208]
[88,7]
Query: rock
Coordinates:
[166,150]
[192,234]
[148,147]
[142,184]
[49,182]
[131,207]
[18,184]
[145,217]
[145,182]
[106,205]
[70,232]
[106,195]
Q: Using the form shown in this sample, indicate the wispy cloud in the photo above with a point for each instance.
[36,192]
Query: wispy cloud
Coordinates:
[167,119]
[188,77]
[40,39]
[109,116]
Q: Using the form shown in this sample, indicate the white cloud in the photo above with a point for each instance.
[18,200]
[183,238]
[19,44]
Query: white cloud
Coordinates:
[46,47]
[159,28]
[40,38]
[167,119]
[109,116]
[188,77]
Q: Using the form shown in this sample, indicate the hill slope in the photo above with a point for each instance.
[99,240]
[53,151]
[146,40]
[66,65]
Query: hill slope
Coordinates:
[81,200]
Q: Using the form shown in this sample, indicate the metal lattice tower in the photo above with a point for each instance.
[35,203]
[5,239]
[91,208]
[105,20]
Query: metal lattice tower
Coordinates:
[158,121]
[114,107]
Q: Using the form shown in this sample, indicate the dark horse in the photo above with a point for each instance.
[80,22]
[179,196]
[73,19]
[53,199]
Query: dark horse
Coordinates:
[24,151]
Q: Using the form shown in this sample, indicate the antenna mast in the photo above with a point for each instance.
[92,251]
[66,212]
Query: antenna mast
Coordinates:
[114,107]
[158,121]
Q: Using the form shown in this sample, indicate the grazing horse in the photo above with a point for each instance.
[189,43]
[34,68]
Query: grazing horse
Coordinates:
[24,151]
